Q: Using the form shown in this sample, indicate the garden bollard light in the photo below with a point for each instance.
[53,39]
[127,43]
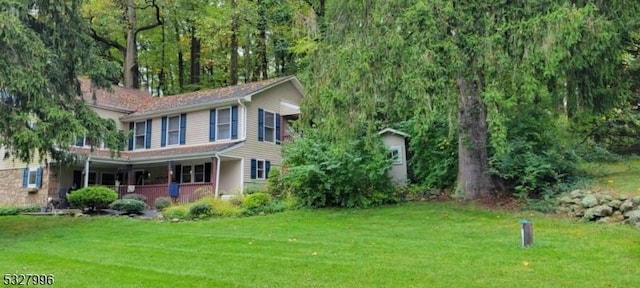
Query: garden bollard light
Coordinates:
[527,233]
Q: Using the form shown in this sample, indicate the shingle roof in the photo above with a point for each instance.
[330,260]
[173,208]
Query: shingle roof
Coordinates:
[206,96]
[119,98]
[177,152]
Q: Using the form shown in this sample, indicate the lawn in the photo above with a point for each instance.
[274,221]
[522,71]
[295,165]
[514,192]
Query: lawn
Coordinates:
[619,177]
[441,244]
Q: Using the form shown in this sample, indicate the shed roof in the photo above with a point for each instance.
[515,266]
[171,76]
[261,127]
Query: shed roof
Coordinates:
[393,131]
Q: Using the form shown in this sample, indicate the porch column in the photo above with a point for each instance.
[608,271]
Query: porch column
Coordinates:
[86,172]
[214,175]
[169,172]
[129,174]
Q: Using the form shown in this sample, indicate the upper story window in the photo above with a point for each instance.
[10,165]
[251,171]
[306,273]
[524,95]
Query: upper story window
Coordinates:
[140,135]
[223,123]
[268,126]
[173,130]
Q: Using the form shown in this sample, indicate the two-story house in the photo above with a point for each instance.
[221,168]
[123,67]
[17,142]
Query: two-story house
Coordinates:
[219,140]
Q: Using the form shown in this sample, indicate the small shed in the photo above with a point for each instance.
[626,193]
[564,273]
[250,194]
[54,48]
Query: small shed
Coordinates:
[395,141]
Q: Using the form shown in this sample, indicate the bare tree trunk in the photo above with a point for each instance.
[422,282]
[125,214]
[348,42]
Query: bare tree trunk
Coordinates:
[180,60]
[131,73]
[473,163]
[195,58]
[262,40]
[233,64]
[247,59]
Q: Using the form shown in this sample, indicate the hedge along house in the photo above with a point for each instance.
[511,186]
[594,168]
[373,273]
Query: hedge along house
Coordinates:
[218,141]
[396,143]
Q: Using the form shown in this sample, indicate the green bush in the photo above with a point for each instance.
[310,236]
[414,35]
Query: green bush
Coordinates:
[136,196]
[129,206]
[178,211]
[221,208]
[9,210]
[275,186]
[161,203]
[321,172]
[256,200]
[271,207]
[96,197]
[200,210]
[15,210]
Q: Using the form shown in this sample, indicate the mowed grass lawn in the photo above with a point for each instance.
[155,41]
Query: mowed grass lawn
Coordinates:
[410,245]
[621,177]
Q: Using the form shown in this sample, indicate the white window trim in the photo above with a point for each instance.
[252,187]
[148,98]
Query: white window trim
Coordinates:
[35,178]
[398,148]
[179,128]
[218,122]
[264,168]
[192,174]
[264,126]
[135,136]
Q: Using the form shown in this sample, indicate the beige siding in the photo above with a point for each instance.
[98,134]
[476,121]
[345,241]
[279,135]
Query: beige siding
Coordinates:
[109,114]
[270,101]
[197,127]
[230,177]
[12,163]
[398,172]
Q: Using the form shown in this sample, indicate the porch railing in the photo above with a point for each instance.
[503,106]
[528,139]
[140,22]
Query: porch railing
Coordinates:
[189,192]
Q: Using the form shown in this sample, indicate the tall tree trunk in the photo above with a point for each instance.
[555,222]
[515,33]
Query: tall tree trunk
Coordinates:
[180,60]
[473,163]
[247,58]
[195,58]
[131,73]
[262,40]
[233,64]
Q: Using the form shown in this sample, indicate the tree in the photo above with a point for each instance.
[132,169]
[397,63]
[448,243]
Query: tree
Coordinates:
[131,27]
[45,48]
[490,63]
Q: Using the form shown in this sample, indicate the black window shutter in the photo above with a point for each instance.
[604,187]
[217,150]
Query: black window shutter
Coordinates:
[260,125]
[207,172]
[254,168]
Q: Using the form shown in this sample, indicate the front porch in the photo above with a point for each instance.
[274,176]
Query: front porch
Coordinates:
[184,181]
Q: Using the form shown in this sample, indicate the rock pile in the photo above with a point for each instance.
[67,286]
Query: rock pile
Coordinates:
[601,207]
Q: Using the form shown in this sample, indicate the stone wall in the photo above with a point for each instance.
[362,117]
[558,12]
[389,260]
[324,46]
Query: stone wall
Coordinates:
[12,193]
[601,207]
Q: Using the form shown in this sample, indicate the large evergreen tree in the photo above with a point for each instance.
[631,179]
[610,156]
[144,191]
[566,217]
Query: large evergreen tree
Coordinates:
[45,47]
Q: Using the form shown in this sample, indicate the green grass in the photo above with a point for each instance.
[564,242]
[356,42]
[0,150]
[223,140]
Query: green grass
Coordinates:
[621,177]
[411,245]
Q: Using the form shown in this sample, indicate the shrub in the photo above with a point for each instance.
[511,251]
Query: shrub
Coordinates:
[9,210]
[136,196]
[129,206]
[203,192]
[256,200]
[177,211]
[350,173]
[161,203]
[275,186]
[95,197]
[200,210]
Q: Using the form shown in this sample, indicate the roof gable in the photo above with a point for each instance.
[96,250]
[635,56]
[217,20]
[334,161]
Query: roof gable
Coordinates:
[202,98]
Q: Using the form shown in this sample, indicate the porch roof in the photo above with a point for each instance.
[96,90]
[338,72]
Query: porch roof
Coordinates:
[156,155]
